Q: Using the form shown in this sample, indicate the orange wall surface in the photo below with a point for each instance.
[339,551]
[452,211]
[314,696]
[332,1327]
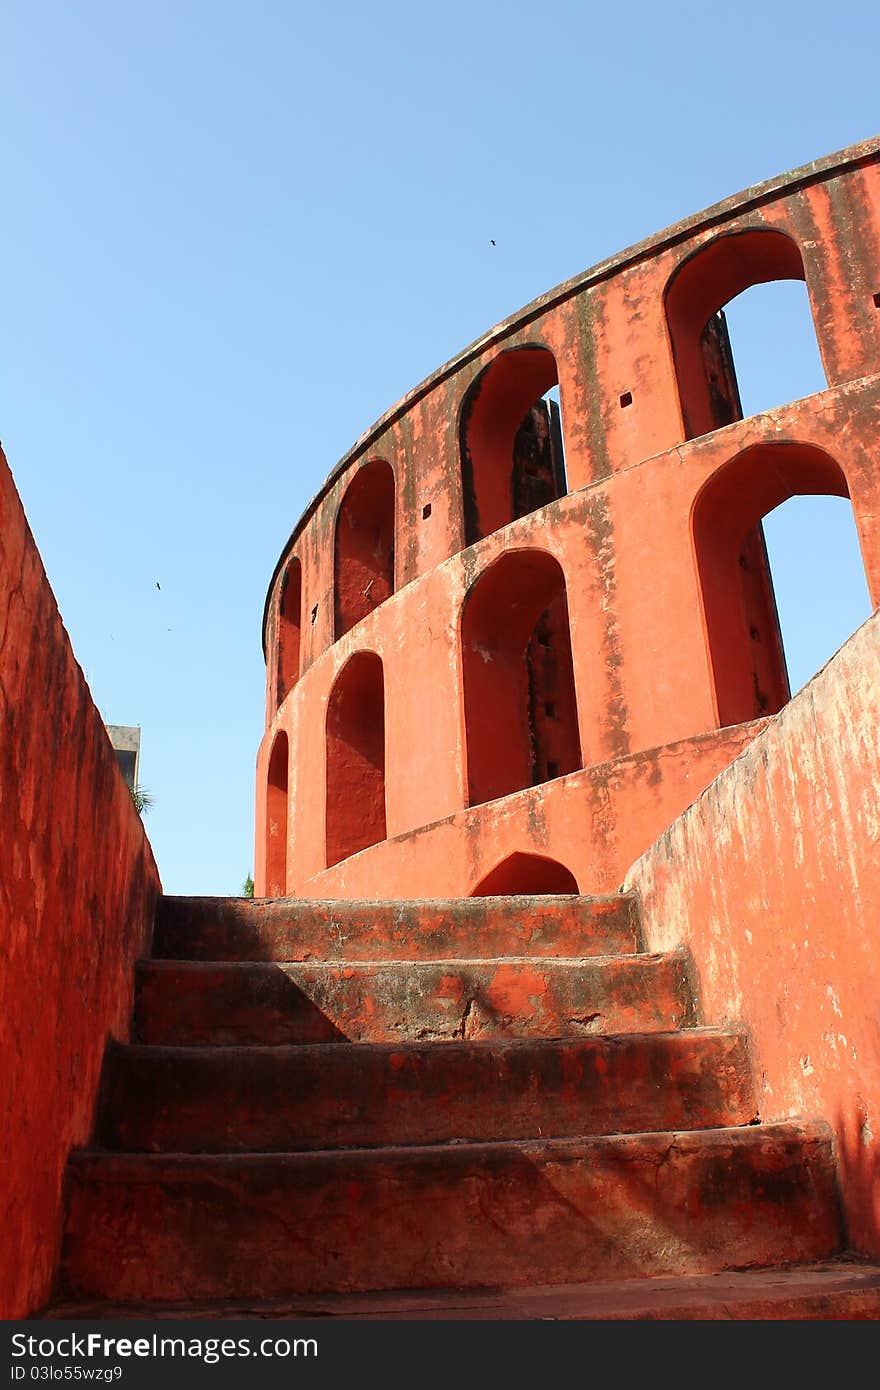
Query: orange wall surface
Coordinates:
[651,539]
[594,822]
[77,896]
[772,880]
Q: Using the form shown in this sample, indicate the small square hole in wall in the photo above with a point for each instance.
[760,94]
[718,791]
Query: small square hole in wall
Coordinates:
[626,399]
[314,613]
[426,511]
[552,771]
[550,710]
[877,300]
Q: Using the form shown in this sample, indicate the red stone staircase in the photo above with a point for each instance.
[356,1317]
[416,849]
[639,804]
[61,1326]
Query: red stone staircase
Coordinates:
[496,1107]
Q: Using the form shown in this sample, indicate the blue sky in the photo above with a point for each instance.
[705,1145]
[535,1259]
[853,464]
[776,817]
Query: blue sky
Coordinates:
[234,234]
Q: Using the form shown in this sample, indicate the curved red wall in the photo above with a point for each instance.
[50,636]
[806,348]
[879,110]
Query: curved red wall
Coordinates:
[660,709]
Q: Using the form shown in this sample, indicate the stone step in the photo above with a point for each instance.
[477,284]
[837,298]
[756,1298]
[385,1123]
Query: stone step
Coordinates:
[186,1003]
[264,1226]
[228,1100]
[289,929]
[847,1288]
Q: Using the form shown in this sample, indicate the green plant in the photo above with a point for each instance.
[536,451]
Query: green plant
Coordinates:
[247,888]
[142,799]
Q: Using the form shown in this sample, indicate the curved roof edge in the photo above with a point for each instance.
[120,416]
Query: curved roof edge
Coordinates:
[865,152]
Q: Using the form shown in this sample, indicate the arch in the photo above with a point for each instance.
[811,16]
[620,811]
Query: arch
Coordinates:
[694,300]
[520,704]
[363,550]
[289,629]
[276,817]
[510,440]
[526,873]
[355,766]
[739,607]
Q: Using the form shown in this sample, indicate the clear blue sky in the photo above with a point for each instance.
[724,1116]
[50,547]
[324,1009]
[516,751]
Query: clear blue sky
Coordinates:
[234,234]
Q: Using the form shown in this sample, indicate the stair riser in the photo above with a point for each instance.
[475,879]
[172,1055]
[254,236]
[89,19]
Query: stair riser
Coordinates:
[469,1217]
[247,1100]
[284,930]
[187,1004]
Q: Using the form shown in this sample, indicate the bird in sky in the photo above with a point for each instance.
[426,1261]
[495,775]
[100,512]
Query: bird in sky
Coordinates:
[491,242]
[158,585]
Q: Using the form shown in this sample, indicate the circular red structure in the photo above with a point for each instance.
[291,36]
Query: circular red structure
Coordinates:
[529,616]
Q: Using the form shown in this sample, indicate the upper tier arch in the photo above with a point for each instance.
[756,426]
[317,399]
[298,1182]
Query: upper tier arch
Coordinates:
[753,207]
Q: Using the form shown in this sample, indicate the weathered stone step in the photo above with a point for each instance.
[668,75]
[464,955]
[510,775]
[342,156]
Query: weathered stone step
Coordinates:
[196,1003]
[288,929]
[262,1226]
[216,1100]
[847,1288]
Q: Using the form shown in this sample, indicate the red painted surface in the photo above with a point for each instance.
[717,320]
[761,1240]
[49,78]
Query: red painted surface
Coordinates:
[479,683]
[277,801]
[742,630]
[396,1111]
[841,1290]
[251,1100]
[704,282]
[497,485]
[76,909]
[526,873]
[235,929]
[595,822]
[364,549]
[771,880]
[355,759]
[534,641]
[150,1226]
[185,1003]
[289,629]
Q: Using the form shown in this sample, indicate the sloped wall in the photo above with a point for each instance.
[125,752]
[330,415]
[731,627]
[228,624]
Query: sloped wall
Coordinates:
[78,886]
[772,879]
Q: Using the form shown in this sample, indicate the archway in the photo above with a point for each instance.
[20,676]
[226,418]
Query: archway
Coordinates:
[739,605]
[364,546]
[522,873]
[717,273]
[519,694]
[289,629]
[355,766]
[510,438]
[276,818]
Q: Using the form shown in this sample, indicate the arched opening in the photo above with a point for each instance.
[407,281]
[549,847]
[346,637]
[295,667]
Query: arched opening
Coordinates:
[526,873]
[519,694]
[818,578]
[364,545]
[276,818]
[711,392]
[510,438]
[355,785]
[739,604]
[289,629]
[774,346]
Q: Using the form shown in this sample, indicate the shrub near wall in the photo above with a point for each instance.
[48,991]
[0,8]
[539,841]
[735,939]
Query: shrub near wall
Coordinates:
[78,886]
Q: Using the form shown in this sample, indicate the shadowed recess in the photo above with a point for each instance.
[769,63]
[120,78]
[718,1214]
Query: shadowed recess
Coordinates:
[364,545]
[739,606]
[355,800]
[276,818]
[519,694]
[511,441]
[289,628]
[695,297]
[523,873]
